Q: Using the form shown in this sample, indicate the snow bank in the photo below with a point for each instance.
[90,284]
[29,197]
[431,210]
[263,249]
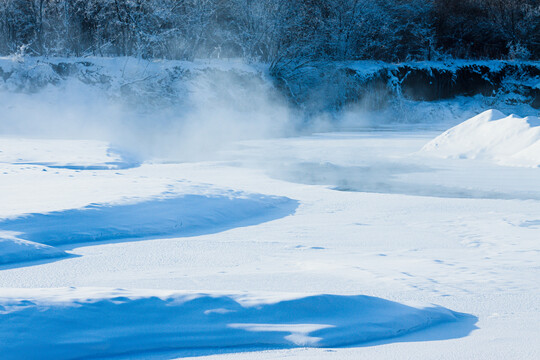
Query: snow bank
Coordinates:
[13,250]
[59,153]
[77,323]
[508,140]
[179,216]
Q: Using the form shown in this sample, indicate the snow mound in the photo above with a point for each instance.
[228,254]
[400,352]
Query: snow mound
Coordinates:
[59,153]
[78,323]
[186,215]
[13,250]
[507,140]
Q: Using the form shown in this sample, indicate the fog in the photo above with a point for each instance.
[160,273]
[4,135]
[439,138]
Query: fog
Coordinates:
[145,110]
[183,111]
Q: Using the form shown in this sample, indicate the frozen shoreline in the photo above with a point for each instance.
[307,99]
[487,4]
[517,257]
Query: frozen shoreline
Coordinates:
[473,255]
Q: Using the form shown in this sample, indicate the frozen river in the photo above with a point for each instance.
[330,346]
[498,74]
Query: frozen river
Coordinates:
[423,256]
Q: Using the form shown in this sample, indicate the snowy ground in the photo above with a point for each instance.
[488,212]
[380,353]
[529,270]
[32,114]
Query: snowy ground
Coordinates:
[242,252]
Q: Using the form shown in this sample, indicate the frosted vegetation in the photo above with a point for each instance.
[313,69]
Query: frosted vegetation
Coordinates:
[272,179]
[271,30]
[270,68]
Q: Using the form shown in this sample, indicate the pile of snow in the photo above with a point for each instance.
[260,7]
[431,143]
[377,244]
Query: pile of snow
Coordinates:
[14,250]
[59,153]
[491,135]
[178,216]
[28,237]
[171,213]
[79,323]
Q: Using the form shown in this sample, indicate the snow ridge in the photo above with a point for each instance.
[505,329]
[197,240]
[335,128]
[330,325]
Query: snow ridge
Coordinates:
[136,322]
[491,135]
[186,215]
[13,250]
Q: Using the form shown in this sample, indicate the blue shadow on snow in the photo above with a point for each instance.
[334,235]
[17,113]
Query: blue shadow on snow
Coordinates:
[188,215]
[204,324]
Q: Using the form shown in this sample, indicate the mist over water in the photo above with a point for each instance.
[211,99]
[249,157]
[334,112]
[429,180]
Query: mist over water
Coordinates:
[149,114]
[184,111]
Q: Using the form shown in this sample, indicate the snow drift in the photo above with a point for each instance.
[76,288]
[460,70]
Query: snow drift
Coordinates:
[14,250]
[187,215]
[77,323]
[62,153]
[507,140]
[24,236]
[178,216]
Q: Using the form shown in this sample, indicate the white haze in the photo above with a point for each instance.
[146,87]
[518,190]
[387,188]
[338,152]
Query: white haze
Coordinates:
[210,110]
[181,111]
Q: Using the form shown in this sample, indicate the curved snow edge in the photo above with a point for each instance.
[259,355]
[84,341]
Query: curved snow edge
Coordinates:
[14,250]
[507,140]
[100,323]
[185,215]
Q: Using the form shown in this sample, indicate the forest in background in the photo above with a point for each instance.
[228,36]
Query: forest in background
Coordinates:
[273,30]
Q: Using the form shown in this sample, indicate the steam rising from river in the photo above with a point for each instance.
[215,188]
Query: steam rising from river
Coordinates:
[148,114]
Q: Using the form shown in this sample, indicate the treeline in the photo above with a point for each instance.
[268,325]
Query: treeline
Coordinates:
[267,30]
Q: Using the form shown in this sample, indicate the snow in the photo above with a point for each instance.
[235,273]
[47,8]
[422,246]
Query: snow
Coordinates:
[185,215]
[491,135]
[61,153]
[289,248]
[131,322]
[166,215]
[13,250]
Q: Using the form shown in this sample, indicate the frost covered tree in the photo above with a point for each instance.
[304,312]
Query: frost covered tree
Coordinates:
[391,30]
[488,28]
